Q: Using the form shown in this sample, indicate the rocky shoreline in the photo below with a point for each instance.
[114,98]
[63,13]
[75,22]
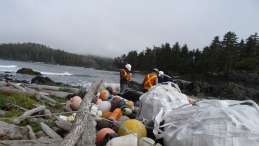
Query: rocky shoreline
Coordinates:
[236,86]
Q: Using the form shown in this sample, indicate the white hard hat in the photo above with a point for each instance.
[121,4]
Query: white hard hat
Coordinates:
[161,73]
[128,66]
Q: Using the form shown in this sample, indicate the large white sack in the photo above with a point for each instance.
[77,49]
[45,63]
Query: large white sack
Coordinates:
[210,123]
[161,96]
[128,140]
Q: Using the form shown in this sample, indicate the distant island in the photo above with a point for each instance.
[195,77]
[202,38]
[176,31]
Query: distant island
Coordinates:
[41,53]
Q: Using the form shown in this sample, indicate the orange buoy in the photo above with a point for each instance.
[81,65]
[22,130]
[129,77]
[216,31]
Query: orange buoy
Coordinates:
[104,94]
[75,102]
[101,135]
[116,114]
[106,114]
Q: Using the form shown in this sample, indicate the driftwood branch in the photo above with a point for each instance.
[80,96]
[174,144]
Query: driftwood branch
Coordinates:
[28,113]
[82,120]
[53,88]
[51,133]
[39,142]
[10,131]
[31,133]
[43,97]
[19,107]
[67,126]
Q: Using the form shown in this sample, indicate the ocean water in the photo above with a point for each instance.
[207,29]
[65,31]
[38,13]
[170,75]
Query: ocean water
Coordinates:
[60,73]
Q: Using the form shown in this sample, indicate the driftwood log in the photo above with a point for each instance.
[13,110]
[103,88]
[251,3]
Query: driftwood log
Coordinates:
[51,133]
[39,142]
[31,133]
[84,126]
[60,94]
[28,113]
[10,131]
[53,88]
[44,98]
[67,126]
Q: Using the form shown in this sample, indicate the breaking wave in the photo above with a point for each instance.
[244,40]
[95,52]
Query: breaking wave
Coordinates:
[57,74]
[8,68]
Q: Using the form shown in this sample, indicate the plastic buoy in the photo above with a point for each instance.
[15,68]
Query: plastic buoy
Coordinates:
[145,141]
[130,104]
[102,133]
[105,106]
[133,126]
[75,102]
[106,114]
[104,94]
[127,140]
[117,102]
[98,101]
[116,114]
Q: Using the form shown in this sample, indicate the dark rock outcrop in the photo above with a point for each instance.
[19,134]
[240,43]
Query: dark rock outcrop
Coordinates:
[28,71]
[223,90]
[43,81]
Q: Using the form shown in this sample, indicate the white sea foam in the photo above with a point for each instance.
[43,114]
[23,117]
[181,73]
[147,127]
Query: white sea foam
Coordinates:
[8,68]
[57,74]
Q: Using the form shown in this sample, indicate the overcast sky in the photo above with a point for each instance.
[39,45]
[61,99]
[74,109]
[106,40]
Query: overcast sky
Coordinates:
[113,27]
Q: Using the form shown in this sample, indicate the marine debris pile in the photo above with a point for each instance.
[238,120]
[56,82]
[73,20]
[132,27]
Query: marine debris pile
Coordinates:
[41,115]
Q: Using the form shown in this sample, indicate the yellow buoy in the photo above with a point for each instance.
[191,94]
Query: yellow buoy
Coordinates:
[133,126]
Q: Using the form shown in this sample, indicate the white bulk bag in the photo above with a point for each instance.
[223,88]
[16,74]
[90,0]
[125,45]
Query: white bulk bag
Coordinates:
[127,140]
[161,96]
[210,123]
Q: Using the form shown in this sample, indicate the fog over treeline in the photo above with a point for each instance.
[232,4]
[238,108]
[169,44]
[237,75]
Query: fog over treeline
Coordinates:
[42,53]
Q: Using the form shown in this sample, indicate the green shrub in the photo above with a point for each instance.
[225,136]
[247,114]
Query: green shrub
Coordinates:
[22,100]
[2,101]
[18,99]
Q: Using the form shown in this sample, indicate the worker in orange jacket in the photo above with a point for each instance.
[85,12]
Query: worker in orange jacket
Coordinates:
[125,77]
[150,79]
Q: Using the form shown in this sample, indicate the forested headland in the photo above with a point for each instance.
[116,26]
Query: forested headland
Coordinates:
[41,53]
[225,55]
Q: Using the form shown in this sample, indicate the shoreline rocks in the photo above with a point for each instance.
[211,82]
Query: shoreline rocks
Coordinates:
[28,71]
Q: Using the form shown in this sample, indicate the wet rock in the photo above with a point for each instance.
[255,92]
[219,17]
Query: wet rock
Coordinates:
[223,90]
[28,71]
[43,81]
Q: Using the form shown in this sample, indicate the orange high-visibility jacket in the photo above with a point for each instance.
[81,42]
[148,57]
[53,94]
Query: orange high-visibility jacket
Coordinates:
[125,75]
[150,80]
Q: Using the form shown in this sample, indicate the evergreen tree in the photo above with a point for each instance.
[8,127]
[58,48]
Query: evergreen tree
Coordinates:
[230,51]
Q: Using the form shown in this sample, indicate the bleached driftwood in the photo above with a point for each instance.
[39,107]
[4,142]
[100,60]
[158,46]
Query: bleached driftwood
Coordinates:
[31,133]
[19,107]
[51,133]
[39,142]
[84,124]
[28,113]
[10,131]
[44,98]
[53,88]
[60,94]
[67,126]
